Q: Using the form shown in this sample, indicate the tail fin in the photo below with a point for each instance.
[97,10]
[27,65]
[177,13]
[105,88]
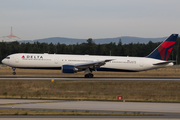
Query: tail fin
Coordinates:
[163,51]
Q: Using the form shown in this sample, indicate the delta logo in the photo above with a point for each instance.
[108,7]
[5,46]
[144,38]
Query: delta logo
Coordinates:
[32,57]
[165,49]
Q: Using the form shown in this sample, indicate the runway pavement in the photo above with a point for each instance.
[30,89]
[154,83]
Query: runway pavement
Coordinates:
[104,106]
[170,110]
[17,101]
[95,78]
[79,118]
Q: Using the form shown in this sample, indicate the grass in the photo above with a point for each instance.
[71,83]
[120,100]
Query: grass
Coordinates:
[34,112]
[157,91]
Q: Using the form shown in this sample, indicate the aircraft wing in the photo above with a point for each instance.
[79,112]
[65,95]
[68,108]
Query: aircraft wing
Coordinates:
[92,64]
[163,63]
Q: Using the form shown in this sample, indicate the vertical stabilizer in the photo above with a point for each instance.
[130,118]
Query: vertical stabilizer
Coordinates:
[163,51]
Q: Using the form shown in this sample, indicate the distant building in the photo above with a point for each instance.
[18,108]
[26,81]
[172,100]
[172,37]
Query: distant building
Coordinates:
[9,38]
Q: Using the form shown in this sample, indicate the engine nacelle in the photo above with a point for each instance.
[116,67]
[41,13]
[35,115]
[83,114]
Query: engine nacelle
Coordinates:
[69,69]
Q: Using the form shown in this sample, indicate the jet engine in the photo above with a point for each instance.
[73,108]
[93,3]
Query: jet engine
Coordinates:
[69,69]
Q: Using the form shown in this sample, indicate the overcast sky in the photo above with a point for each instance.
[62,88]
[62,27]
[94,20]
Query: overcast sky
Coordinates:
[37,19]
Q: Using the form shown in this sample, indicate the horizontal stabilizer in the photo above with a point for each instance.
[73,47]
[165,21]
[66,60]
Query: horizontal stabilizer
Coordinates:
[165,62]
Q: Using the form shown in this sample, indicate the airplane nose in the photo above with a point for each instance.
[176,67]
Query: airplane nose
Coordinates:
[3,61]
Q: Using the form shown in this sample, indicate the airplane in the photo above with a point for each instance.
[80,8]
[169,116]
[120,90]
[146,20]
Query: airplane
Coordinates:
[89,63]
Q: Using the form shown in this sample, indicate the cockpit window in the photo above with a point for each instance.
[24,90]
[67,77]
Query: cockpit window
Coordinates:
[7,57]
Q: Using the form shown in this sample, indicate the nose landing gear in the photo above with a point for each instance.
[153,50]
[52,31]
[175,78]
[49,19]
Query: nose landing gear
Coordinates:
[14,73]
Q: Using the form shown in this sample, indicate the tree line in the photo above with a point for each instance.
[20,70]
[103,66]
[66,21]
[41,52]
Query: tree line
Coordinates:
[89,47]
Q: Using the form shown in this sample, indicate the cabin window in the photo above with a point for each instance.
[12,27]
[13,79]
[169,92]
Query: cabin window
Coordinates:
[7,57]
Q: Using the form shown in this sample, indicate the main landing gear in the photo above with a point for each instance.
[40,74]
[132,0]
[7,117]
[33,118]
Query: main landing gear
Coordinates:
[14,73]
[89,75]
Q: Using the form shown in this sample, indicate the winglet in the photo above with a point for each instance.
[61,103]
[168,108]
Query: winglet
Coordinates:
[163,51]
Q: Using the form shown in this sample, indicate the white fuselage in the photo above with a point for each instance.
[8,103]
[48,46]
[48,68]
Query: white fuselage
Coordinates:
[55,61]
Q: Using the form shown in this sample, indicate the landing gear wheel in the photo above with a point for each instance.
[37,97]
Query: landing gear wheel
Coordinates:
[86,76]
[89,75]
[14,73]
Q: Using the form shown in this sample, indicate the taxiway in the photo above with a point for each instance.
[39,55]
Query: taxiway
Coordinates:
[169,110]
[95,78]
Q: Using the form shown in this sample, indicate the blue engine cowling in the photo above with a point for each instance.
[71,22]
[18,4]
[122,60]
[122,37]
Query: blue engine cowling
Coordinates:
[69,69]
